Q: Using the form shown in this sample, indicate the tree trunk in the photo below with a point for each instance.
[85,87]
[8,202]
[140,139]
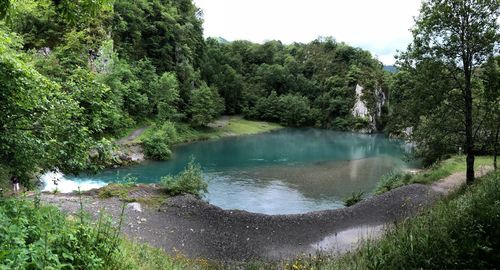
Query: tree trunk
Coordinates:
[469,140]
[495,148]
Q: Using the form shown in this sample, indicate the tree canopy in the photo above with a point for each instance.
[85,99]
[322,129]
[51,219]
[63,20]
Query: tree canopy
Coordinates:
[439,92]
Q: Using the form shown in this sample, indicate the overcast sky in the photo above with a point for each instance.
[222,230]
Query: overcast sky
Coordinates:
[380,26]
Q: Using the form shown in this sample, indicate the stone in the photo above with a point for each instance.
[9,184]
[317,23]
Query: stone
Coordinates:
[135,206]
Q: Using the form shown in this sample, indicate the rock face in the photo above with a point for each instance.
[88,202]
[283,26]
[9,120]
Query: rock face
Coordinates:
[361,109]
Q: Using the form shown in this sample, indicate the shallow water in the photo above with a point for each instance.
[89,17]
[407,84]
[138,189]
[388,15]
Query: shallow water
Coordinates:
[282,172]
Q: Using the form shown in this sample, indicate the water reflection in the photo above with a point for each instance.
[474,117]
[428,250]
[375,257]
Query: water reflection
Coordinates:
[287,171]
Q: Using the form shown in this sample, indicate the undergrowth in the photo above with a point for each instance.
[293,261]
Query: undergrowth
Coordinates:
[37,236]
[437,171]
[33,236]
[459,232]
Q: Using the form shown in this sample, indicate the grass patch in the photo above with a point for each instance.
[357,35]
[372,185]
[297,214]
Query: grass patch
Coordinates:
[123,191]
[236,126]
[144,257]
[392,180]
[240,126]
[354,199]
[120,191]
[432,174]
[448,167]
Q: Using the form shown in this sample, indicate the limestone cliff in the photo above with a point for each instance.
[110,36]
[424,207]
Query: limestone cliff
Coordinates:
[361,108]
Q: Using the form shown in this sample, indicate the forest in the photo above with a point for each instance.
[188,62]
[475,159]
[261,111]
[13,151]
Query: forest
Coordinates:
[92,69]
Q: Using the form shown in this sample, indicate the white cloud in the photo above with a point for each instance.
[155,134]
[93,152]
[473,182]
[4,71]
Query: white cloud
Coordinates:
[380,26]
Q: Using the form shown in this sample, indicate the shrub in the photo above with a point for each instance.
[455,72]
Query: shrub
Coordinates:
[188,181]
[157,142]
[392,180]
[41,237]
[354,198]
[205,106]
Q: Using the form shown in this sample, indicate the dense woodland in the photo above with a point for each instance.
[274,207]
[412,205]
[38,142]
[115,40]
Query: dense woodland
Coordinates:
[78,73]
[75,74]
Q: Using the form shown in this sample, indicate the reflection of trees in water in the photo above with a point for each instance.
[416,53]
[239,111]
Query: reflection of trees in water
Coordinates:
[287,146]
[324,180]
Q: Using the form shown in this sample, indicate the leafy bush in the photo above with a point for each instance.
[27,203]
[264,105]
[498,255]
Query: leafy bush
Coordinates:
[157,142]
[392,180]
[188,181]
[41,237]
[205,106]
[355,198]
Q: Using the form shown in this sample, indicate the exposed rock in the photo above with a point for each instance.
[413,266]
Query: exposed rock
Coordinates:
[135,206]
[361,109]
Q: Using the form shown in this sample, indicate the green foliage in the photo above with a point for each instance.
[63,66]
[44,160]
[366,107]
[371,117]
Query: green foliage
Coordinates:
[167,96]
[158,140]
[39,122]
[205,106]
[46,23]
[41,237]
[439,87]
[168,33]
[35,236]
[100,112]
[354,199]
[188,181]
[316,79]
[392,180]
[289,110]
[139,256]
[464,230]
[433,173]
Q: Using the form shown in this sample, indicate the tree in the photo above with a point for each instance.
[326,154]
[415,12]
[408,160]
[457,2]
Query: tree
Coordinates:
[491,80]
[39,124]
[167,96]
[295,110]
[205,106]
[461,34]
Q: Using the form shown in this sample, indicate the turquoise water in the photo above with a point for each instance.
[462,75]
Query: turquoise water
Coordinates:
[281,172]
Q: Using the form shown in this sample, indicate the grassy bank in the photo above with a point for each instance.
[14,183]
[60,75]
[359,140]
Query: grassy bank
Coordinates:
[230,126]
[432,174]
[462,232]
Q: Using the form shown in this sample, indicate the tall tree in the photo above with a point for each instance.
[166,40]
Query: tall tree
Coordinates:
[462,34]
[40,125]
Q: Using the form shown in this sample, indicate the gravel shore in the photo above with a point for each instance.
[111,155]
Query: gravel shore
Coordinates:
[194,228]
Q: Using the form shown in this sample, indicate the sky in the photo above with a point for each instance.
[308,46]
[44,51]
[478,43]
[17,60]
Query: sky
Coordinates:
[379,26]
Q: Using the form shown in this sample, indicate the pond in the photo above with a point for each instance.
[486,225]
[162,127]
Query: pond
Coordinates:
[282,172]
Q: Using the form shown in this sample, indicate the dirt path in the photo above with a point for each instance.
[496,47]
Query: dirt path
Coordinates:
[136,133]
[200,230]
[456,180]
